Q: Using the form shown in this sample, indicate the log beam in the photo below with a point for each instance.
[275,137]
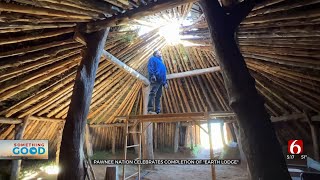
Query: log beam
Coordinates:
[4,120]
[71,154]
[126,68]
[193,72]
[244,99]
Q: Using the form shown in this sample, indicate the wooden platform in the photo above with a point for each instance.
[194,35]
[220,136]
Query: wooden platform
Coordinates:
[177,117]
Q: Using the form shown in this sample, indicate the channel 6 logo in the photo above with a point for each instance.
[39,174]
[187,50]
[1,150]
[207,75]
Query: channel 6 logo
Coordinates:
[295,146]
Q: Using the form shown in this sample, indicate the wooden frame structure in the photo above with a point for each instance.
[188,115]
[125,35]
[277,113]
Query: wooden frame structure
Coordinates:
[171,117]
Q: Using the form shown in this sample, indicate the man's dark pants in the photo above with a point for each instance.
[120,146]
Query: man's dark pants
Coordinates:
[155,95]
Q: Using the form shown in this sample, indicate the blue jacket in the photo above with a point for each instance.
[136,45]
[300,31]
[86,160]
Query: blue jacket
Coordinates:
[157,68]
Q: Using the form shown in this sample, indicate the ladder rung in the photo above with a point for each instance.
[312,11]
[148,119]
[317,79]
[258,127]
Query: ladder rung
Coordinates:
[134,132]
[133,146]
[132,175]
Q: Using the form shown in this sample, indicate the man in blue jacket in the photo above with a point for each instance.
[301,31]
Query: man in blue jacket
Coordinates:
[157,76]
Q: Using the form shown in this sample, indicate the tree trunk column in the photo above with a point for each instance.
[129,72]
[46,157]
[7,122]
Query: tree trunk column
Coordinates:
[260,144]
[71,154]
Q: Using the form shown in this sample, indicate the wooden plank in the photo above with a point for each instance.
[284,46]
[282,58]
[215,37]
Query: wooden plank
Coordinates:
[71,157]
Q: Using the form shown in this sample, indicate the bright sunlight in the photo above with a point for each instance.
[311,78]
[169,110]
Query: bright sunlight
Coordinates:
[216,136]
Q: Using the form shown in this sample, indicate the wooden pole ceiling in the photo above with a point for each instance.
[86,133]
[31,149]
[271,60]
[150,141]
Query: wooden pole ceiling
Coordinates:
[142,11]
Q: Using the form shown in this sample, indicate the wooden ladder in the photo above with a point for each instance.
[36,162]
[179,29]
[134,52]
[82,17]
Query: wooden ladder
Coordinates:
[126,147]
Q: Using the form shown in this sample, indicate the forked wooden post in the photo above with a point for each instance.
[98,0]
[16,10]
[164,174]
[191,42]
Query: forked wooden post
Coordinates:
[71,154]
[16,164]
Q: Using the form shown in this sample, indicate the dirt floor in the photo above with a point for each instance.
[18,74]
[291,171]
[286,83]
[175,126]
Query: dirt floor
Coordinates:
[177,172]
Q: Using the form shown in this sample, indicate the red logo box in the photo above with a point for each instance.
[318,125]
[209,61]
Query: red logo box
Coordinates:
[295,146]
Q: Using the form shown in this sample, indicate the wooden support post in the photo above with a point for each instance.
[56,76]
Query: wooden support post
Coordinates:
[187,137]
[148,134]
[244,99]
[176,137]
[191,135]
[71,154]
[195,135]
[114,140]
[59,142]
[222,134]
[213,171]
[111,173]
[135,138]
[88,142]
[16,164]
[315,137]
[156,135]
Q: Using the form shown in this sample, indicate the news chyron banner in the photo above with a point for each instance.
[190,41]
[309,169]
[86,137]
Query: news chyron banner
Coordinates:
[24,149]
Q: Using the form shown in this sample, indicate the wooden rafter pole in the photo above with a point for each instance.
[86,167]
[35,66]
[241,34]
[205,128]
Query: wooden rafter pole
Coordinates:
[126,68]
[193,72]
[16,164]
[244,99]
[142,11]
[71,154]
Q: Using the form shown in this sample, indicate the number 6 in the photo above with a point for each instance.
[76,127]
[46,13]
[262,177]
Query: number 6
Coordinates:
[295,145]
